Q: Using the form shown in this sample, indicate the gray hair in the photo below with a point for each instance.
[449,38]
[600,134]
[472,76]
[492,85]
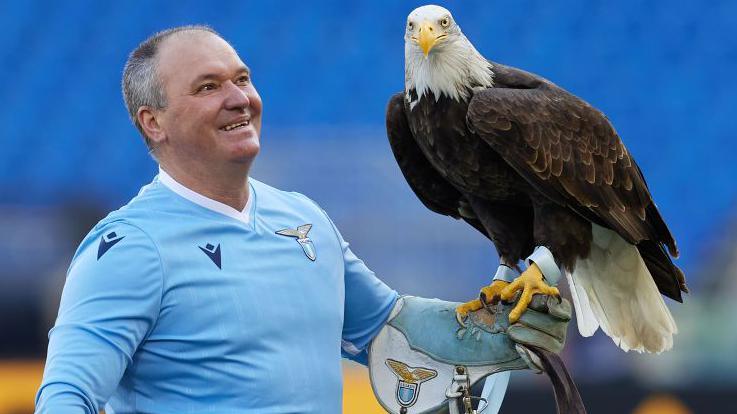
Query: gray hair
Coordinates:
[141,83]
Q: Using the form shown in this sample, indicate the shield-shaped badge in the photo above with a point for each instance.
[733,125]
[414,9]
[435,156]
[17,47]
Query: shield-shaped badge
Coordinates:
[308,248]
[409,380]
[406,393]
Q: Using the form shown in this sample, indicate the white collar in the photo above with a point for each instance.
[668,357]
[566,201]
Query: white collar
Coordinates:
[206,202]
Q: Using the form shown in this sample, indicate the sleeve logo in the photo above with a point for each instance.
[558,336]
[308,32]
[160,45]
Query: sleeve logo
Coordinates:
[106,242]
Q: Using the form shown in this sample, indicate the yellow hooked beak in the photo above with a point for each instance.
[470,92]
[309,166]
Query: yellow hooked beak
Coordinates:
[427,38]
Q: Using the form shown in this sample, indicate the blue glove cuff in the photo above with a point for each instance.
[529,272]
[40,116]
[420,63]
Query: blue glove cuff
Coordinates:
[544,259]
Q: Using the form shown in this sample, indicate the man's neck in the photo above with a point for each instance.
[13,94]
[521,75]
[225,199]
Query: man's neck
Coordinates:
[230,189]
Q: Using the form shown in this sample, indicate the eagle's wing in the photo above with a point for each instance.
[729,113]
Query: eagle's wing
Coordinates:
[567,150]
[570,152]
[430,187]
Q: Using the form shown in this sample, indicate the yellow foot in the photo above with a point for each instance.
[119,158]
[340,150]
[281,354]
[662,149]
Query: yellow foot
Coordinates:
[487,292]
[530,282]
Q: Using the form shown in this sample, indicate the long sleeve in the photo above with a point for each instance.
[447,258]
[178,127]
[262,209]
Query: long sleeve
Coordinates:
[110,303]
[368,303]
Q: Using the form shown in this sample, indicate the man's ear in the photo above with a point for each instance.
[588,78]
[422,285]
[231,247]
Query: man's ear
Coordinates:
[149,121]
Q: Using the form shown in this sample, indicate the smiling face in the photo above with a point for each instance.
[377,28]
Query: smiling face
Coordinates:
[213,112]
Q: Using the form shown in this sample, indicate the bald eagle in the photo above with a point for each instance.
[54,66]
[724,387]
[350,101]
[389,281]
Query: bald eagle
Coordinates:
[528,164]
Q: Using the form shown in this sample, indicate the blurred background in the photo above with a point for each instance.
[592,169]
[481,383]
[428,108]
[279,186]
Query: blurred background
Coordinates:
[662,71]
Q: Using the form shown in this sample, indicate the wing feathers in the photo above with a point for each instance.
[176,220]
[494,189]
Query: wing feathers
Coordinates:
[569,151]
[434,192]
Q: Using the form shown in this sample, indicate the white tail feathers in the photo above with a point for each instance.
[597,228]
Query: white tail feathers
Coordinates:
[585,319]
[613,289]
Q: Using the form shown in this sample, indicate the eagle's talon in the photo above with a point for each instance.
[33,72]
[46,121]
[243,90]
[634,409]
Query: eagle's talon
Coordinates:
[530,283]
[465,308]
[491,291]
[490,294]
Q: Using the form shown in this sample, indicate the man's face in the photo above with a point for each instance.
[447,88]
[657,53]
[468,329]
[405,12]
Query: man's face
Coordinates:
[213,112]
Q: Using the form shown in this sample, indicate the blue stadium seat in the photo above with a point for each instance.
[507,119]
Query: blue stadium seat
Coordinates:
[662,72]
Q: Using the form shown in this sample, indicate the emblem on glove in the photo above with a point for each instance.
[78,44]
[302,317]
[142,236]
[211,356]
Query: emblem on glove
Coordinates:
[300,233]
[409,380]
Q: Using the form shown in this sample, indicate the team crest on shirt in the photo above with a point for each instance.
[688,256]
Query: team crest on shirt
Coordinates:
[409,380]
[300,233]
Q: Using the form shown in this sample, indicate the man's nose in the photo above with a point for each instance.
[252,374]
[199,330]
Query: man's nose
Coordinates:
[236,98]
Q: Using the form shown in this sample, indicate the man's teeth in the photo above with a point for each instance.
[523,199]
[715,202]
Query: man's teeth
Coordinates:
[234,126]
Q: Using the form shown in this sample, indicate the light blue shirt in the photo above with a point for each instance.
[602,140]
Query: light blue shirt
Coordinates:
[179,304]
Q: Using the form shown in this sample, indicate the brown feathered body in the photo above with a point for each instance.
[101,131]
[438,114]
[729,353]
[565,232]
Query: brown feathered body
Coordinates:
[527,164]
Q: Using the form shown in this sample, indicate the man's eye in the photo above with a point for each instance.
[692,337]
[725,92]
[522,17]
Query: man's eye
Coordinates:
[207,87]
[243,80]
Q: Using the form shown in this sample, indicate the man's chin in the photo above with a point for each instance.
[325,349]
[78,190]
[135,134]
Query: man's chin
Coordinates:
[245,152]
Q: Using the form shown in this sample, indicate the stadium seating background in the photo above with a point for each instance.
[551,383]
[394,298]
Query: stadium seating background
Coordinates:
[662,71]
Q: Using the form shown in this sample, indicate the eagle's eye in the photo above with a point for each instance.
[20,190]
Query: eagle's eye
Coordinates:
[410,26]
[445,22]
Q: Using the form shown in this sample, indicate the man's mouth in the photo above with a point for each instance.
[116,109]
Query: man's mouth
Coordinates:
[236,125]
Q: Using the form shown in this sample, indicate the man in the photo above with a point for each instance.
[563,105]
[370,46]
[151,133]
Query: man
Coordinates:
[209,291]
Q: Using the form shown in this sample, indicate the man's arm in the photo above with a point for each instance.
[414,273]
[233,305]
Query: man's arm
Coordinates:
[110,302]
[368,303]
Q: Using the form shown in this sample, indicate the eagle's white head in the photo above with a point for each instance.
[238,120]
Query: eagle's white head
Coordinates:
[439,58]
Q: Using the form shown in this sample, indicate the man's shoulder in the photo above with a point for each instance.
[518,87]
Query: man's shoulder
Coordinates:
[269,195]
[135,222]
[115,240]
[145,210]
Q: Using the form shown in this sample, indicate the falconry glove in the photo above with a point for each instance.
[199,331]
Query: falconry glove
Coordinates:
[426,360]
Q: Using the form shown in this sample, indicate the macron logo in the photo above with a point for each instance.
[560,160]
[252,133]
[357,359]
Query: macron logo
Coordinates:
[106,242]
[213,253]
